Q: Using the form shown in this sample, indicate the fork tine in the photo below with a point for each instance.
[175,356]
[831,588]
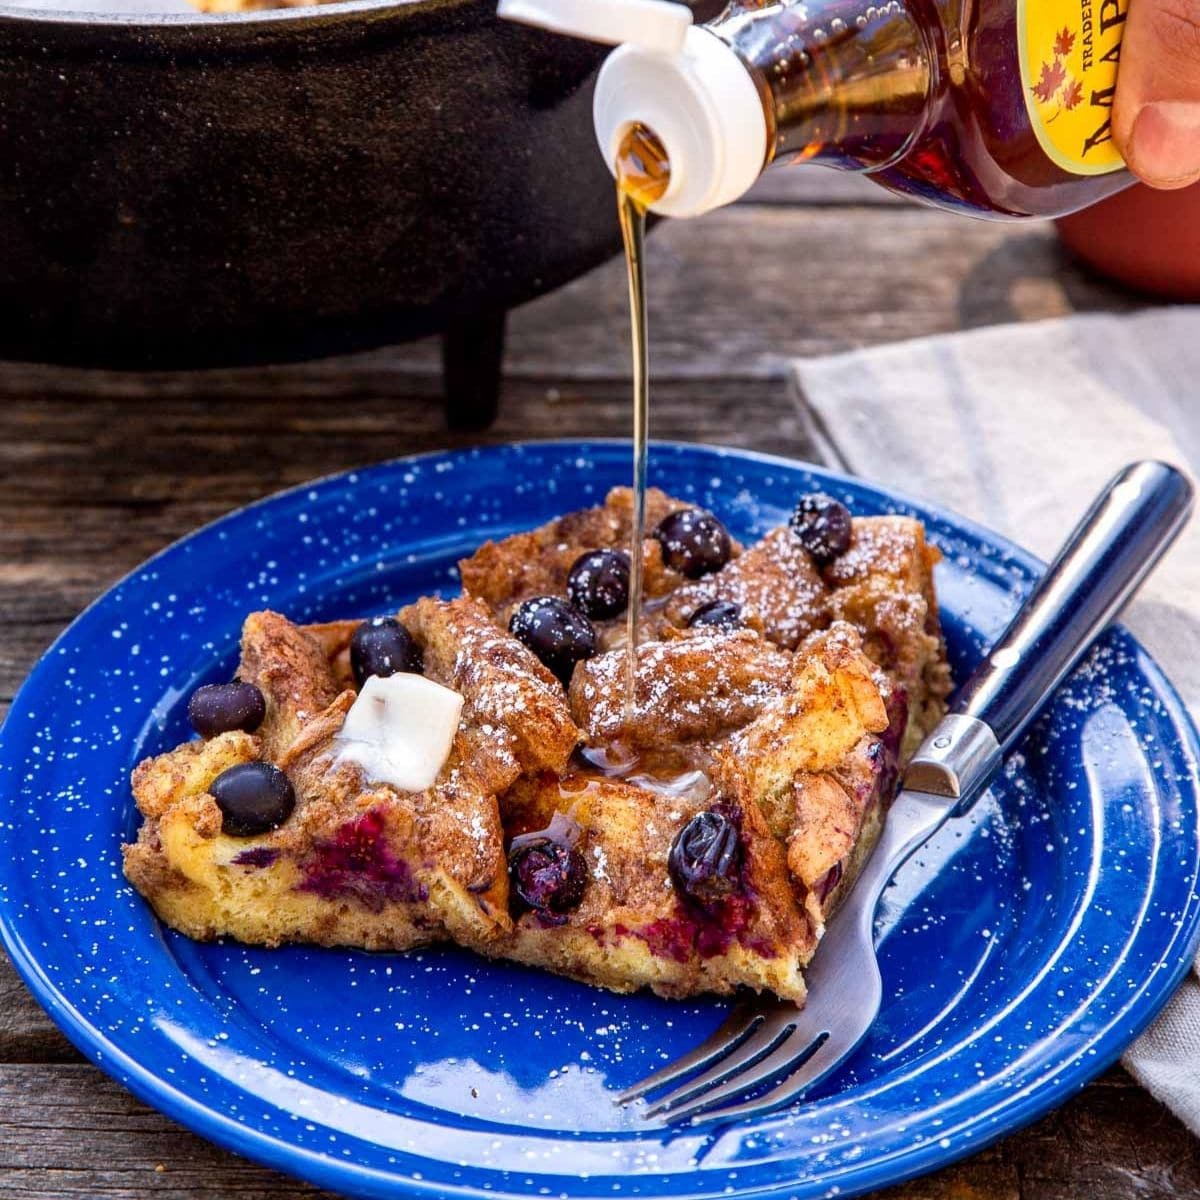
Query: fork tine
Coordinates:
[792,1053]
[743,1019]
[777,1027]
[820,1063]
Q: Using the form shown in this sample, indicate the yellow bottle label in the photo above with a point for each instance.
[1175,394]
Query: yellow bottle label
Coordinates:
[1069,52]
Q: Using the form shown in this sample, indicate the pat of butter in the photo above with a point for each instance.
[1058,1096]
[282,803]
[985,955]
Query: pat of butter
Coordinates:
[400,730]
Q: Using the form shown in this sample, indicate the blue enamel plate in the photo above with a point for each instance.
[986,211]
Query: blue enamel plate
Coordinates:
[1021,949]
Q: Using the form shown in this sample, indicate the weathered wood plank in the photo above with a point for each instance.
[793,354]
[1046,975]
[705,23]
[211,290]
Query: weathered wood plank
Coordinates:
[733,294]
[805,280]
[67,1131]
[90,488]
[27,1035]
[741,291]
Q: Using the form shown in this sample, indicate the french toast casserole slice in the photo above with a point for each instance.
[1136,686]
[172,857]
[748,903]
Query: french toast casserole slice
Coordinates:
[683,819]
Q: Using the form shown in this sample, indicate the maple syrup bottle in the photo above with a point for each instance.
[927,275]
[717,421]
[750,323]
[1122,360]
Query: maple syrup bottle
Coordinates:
[998,108]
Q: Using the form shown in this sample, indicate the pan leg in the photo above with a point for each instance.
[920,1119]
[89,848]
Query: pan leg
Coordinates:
[472,354]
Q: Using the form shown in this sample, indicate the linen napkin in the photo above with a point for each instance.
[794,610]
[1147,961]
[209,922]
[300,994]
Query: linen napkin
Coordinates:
[1019,426]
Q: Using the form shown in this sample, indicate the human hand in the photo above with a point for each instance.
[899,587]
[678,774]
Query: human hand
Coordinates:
[1156,112]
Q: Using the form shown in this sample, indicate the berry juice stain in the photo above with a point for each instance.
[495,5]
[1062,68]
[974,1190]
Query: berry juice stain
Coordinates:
[643,175]
[358,863]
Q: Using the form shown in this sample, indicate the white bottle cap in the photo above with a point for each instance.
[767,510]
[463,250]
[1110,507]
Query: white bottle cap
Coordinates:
[705,110]
[682,82]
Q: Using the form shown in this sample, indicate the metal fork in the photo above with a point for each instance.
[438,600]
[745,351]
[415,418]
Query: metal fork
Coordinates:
[764,1043]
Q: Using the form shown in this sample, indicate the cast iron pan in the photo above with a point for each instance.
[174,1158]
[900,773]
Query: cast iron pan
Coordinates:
[189,190]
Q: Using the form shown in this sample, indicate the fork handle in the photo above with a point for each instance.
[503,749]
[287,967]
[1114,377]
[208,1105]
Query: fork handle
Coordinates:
[1111,551]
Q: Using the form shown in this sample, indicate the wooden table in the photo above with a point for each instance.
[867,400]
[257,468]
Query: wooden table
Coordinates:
[101,470]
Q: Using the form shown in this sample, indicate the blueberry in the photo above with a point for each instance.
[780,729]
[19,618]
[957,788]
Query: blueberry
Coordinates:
[598,583]
[557,633]
[253,797]
[693,542]
[219,707]
[382,646]
[722,614]
[705,856]
[823,527]
[548,876]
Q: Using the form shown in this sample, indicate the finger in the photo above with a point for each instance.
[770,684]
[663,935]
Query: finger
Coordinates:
[1156,112]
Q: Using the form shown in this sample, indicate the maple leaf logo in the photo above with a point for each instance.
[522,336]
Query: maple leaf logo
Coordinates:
[1052,78]
[1054,85]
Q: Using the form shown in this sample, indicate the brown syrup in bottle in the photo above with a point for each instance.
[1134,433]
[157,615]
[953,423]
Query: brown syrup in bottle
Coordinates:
[928,96]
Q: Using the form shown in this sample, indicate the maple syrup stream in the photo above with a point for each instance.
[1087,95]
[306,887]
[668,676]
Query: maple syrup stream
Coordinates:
[643,174]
